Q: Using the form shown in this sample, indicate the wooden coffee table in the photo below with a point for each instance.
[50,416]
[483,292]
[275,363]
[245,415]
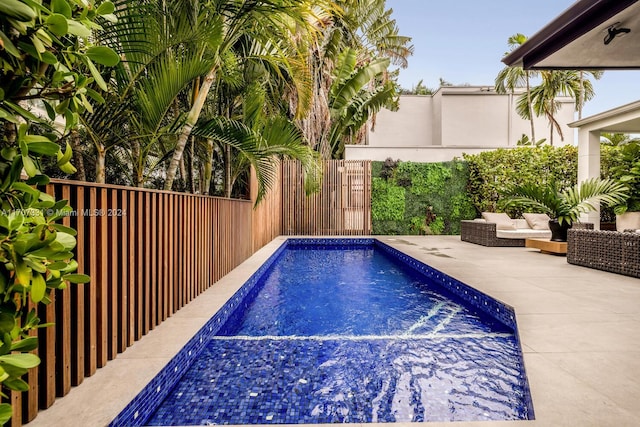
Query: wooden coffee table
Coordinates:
[546,246]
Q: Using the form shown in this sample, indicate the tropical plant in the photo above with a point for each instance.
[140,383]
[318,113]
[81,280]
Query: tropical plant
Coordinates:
[418,89]
[524,141]
[351,101]
[565,205]
[616,139]
[47,62]
[510,78]
[363,30]
[271,26]
[555,83]
[626,170]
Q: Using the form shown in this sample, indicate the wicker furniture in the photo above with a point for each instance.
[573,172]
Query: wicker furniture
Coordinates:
[613,251]
[484,233]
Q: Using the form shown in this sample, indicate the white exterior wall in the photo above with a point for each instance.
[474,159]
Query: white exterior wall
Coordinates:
[475,120]
[455,118]
[409,129]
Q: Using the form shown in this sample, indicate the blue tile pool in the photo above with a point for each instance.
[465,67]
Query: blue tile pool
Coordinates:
[344,330]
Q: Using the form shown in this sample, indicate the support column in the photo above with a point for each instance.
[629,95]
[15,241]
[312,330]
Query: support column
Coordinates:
[589,165]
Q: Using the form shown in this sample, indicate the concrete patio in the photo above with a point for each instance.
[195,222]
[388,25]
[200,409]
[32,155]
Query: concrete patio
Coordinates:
[580,330]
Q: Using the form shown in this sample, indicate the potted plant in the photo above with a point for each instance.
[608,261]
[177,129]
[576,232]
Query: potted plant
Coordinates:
[627,172]
[564,206]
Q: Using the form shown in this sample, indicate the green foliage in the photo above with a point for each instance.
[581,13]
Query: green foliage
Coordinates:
[351,100]
[388,205]
[525,141]
[434,198]
[493,172]
[567,204]
[626,170]
[45,56]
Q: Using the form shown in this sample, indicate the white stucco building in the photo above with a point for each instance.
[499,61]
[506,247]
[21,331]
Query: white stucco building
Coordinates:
[454,120]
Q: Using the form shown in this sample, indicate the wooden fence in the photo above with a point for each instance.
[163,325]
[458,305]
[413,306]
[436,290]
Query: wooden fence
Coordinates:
[342,207]
[150,252]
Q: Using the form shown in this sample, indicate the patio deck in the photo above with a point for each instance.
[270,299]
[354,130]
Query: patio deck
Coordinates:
[580,330]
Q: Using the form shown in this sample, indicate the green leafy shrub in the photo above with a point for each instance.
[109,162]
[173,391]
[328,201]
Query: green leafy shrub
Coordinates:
[493,172]
[388,205]
[47,59]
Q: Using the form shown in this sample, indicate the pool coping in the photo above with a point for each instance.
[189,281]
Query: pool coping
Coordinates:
[101,397]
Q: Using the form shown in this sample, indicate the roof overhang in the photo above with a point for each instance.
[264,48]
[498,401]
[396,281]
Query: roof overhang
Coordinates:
[624,119]
[575,39]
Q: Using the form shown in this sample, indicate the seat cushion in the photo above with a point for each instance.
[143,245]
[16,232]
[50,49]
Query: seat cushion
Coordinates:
[523,234]
[537,221]
[502,220]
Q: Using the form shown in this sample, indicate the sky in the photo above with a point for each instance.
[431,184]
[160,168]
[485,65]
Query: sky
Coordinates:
[462,41]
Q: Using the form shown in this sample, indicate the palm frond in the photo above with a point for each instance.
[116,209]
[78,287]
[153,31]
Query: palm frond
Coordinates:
[568,204]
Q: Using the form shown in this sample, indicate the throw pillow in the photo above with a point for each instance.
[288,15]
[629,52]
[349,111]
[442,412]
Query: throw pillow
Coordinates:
[502,220]
[537,221]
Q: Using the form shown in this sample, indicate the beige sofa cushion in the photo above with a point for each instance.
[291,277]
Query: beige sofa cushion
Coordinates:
[537,221]
[521,224]
[523,234]
[502,220]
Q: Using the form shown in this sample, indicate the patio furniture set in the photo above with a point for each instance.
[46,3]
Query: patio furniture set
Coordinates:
[612,251]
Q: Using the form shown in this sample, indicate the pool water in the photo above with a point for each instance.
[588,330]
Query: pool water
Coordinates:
[335,333]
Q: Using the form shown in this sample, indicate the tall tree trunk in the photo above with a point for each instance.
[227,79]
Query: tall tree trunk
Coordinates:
[192,165]
[138,163]
[533,130]
[208,168]
[581,95]
[101,155]
[228,184]
[78,159]
[183,172]
[190,122]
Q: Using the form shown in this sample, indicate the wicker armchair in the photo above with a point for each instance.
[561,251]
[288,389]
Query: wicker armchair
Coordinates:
[613,251]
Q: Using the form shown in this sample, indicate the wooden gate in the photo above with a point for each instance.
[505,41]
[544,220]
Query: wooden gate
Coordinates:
[341,207]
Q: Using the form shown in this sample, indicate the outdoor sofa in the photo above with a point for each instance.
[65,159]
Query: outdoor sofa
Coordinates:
[613,251]
[497,229]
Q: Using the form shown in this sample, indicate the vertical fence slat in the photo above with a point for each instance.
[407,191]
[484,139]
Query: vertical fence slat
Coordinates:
[153,212]
[115,219]
[123,291]
[78,292]
[63,325]
[102,303]
[146,264]
[132,265]
[91,299]
[47,349]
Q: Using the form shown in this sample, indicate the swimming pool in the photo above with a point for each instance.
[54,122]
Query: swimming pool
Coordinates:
[387,339]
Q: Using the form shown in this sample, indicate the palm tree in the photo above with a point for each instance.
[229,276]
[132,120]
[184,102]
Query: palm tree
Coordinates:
[616,139]
[366,28]
[584,86]
[157,67]
[510,78]
[269,24]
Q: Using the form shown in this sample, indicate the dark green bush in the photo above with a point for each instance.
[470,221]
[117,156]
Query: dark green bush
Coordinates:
[491,172]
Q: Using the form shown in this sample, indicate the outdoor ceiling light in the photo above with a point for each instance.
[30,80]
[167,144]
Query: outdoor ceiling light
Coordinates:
[613,31]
